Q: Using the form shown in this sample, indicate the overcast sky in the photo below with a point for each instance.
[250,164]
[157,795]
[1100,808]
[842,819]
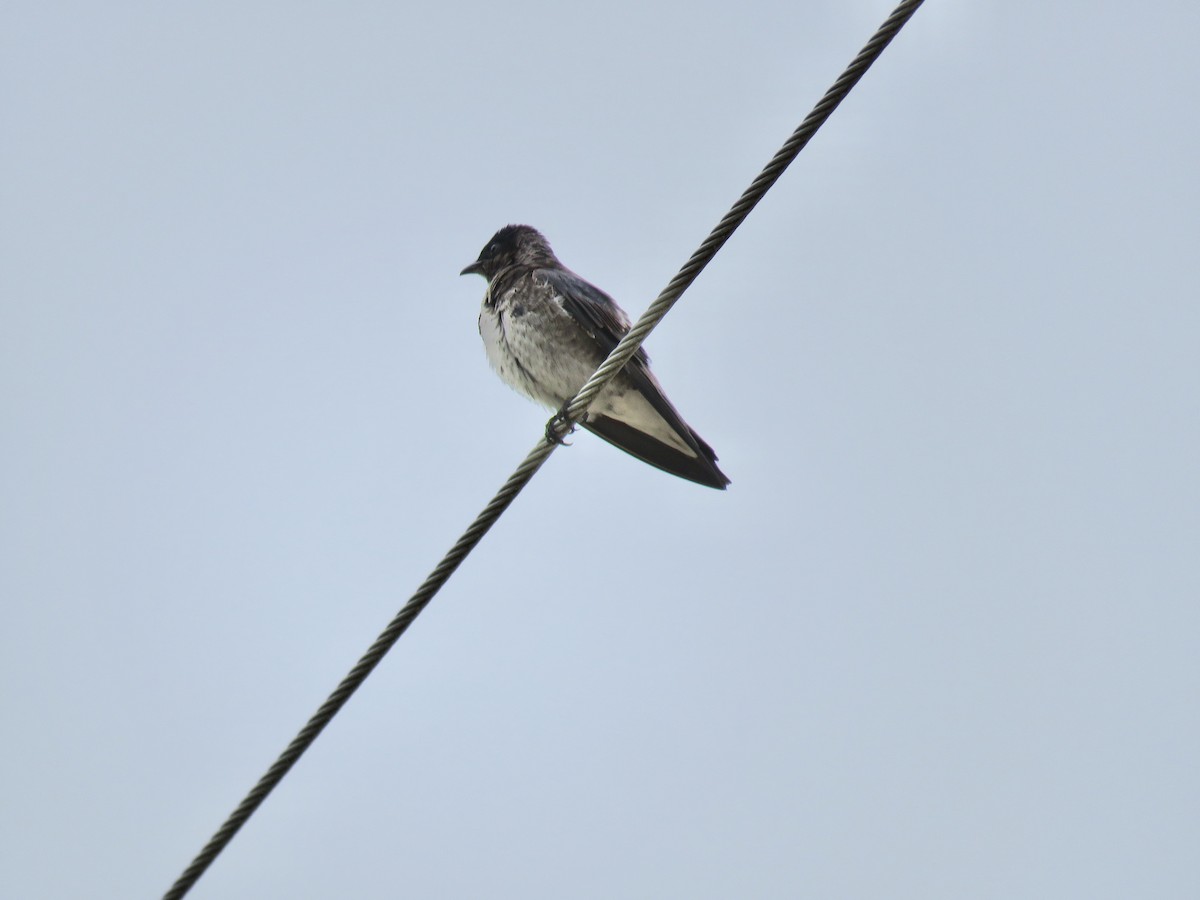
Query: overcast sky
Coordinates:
[939,639]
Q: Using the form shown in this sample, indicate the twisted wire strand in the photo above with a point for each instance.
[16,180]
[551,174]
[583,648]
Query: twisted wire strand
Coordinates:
[716,239]
[533,461]
[365,665]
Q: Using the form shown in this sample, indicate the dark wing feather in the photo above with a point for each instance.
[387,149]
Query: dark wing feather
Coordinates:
[601,318]
[597,312]
[700,469]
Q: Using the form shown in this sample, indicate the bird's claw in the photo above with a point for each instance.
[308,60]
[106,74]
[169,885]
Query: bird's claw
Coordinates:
[555,432]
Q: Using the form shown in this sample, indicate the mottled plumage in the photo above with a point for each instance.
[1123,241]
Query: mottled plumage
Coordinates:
[546,330]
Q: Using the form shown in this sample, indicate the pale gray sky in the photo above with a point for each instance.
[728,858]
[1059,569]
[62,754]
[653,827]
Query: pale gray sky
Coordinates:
[938,640]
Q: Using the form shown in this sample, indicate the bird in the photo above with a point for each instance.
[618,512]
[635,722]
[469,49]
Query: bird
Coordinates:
[546,330]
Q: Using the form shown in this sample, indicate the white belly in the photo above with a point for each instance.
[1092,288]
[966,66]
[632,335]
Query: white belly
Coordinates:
[526,359]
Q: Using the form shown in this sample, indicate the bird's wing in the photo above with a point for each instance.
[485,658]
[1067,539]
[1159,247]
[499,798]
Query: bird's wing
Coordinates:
[594,310]
[600,316]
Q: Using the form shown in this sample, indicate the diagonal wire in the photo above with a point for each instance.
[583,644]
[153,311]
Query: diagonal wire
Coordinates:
[716,239]
[559,426]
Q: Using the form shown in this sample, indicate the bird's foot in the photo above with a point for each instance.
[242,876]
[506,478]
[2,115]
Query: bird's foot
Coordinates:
[559,427]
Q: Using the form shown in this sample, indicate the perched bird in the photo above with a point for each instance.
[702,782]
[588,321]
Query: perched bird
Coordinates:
[546,330]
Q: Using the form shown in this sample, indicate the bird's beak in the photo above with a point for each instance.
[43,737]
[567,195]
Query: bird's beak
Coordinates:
[475,268]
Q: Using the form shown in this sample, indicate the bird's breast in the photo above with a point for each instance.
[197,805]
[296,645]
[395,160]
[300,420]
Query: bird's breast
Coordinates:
[535,347]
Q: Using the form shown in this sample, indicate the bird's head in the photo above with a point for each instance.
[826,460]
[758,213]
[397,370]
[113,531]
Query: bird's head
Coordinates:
[512,245]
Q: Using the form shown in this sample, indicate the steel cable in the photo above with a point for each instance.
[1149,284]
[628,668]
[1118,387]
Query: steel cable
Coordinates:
[559,426]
